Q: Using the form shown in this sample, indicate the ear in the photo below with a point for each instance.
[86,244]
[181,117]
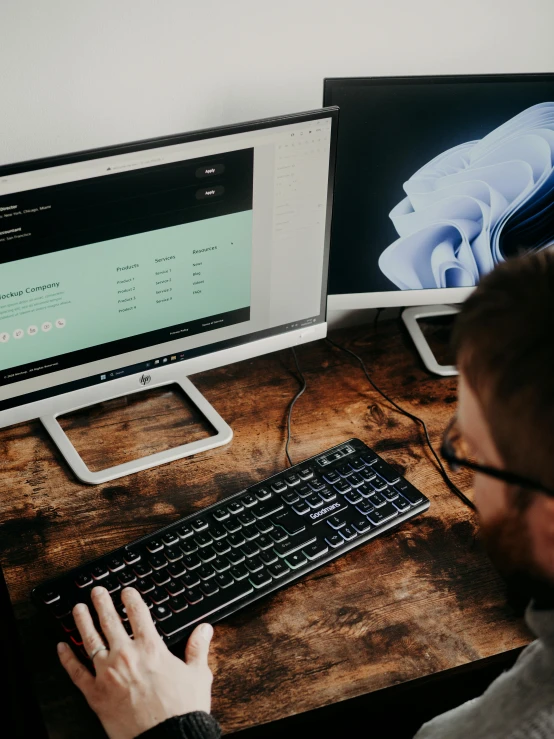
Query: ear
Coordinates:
[541,527]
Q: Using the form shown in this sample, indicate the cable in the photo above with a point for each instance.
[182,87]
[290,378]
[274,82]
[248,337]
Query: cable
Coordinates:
[291,406]
[455,489]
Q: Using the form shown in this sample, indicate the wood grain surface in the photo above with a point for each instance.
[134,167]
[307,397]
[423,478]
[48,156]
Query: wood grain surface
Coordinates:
[418,600]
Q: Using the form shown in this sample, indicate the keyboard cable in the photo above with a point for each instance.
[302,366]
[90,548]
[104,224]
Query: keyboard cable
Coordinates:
[455,489]
[291,405]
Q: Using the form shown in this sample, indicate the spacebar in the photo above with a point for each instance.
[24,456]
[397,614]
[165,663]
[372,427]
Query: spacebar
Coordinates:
[179,621]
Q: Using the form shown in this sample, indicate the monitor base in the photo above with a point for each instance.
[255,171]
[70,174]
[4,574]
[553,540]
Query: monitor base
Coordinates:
[223,435]
[410,317]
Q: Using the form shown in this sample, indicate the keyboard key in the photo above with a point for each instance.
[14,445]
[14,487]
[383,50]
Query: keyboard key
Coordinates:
[246,518]
[200,524]
[301,507]
[160,613]
[378,485]
[263,510]
[190,580]
[342,487]
[356,464]
[249,500]
[203,540]
[294,561]
[265,526]
[170,539]
[260,579]
[353,497]
[158,596]
[264,542]
[369,457]
[221,547]
[235,507]
[290,497]
[82,580]
[209,588]
[327,495]
[390,494]
[401,504]
[193,596]
[126,578]
[178,604]
[348,533]
[51,596]
[316,484]
[365,507]
[334,540]
[254,565]
[305,473]
[236,557]
[279,569]
[176,569]
[184,531]
[249,550]
[279,486]
[144,585]
[331,476]
[220,564]
[336,522]
[173,554]
[236,540]
[288,521]
[221,515]
[131,556]
[355,480]
[154,545]
[99,572]
[263,493]
[218,533]
[250,533]
[315,550]
[142,569]
[292,479]
[412,494]
[232,525]
[367,474]
[188,547]
[294,544]
[157,563]
[377,500]
[239,572]
[385,471]
[361,525]
[303,491]
[268,557]
[115,564]
[314,501]
[365,490]
[174,588]
[161,577]
[191,562]
[345,470]
[383,514]
[206,572]
[68,624]
[60,608]
[279,535]
[224,580]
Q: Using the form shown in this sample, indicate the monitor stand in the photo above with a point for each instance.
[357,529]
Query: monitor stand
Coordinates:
[223,434]
[410,317]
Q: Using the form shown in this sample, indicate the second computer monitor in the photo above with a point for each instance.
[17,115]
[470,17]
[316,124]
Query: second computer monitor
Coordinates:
[438,180]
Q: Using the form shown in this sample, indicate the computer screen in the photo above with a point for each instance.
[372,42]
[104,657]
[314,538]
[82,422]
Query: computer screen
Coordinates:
[438,179]
[131,258]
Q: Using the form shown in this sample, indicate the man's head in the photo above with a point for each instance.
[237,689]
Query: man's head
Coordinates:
[504,342]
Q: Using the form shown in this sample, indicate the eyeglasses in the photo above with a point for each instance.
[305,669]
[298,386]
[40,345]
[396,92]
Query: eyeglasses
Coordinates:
[456,452]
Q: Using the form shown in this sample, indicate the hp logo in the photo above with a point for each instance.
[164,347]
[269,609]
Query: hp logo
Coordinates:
[145,379]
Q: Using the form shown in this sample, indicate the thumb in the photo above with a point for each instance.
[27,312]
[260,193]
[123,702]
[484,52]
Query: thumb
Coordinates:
[198,645]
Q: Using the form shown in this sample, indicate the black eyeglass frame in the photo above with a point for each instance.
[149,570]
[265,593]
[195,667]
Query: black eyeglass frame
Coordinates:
[448,454]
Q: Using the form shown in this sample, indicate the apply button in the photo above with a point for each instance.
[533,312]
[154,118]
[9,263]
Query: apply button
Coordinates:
[210,170]
[207,193]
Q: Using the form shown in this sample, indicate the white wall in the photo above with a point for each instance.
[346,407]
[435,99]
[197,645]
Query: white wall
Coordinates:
[76,74]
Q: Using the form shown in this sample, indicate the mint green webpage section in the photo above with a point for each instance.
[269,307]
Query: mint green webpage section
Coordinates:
[123,287]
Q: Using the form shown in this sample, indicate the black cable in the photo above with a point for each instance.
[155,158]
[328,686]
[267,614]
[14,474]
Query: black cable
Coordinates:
[291,406]
[455,489]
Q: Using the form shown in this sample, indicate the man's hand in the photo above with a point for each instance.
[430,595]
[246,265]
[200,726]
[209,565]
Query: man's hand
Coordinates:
[138,682]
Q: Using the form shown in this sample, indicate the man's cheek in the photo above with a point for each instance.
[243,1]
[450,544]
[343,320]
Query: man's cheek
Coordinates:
[490,498]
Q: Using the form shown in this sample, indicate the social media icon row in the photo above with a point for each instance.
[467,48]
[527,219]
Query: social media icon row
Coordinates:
[19,333]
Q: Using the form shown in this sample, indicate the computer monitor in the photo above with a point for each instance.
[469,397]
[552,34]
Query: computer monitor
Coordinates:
[438,180]
[137,265]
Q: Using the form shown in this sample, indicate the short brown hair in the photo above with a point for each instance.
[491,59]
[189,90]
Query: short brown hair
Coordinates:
[504,343]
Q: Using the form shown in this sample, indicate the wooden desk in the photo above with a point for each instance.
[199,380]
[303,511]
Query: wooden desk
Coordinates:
[421,599]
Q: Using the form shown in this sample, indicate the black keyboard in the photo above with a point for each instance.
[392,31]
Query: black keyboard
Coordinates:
[214,562]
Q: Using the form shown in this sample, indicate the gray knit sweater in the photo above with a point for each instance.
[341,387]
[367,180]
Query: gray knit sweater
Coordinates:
[517,705]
